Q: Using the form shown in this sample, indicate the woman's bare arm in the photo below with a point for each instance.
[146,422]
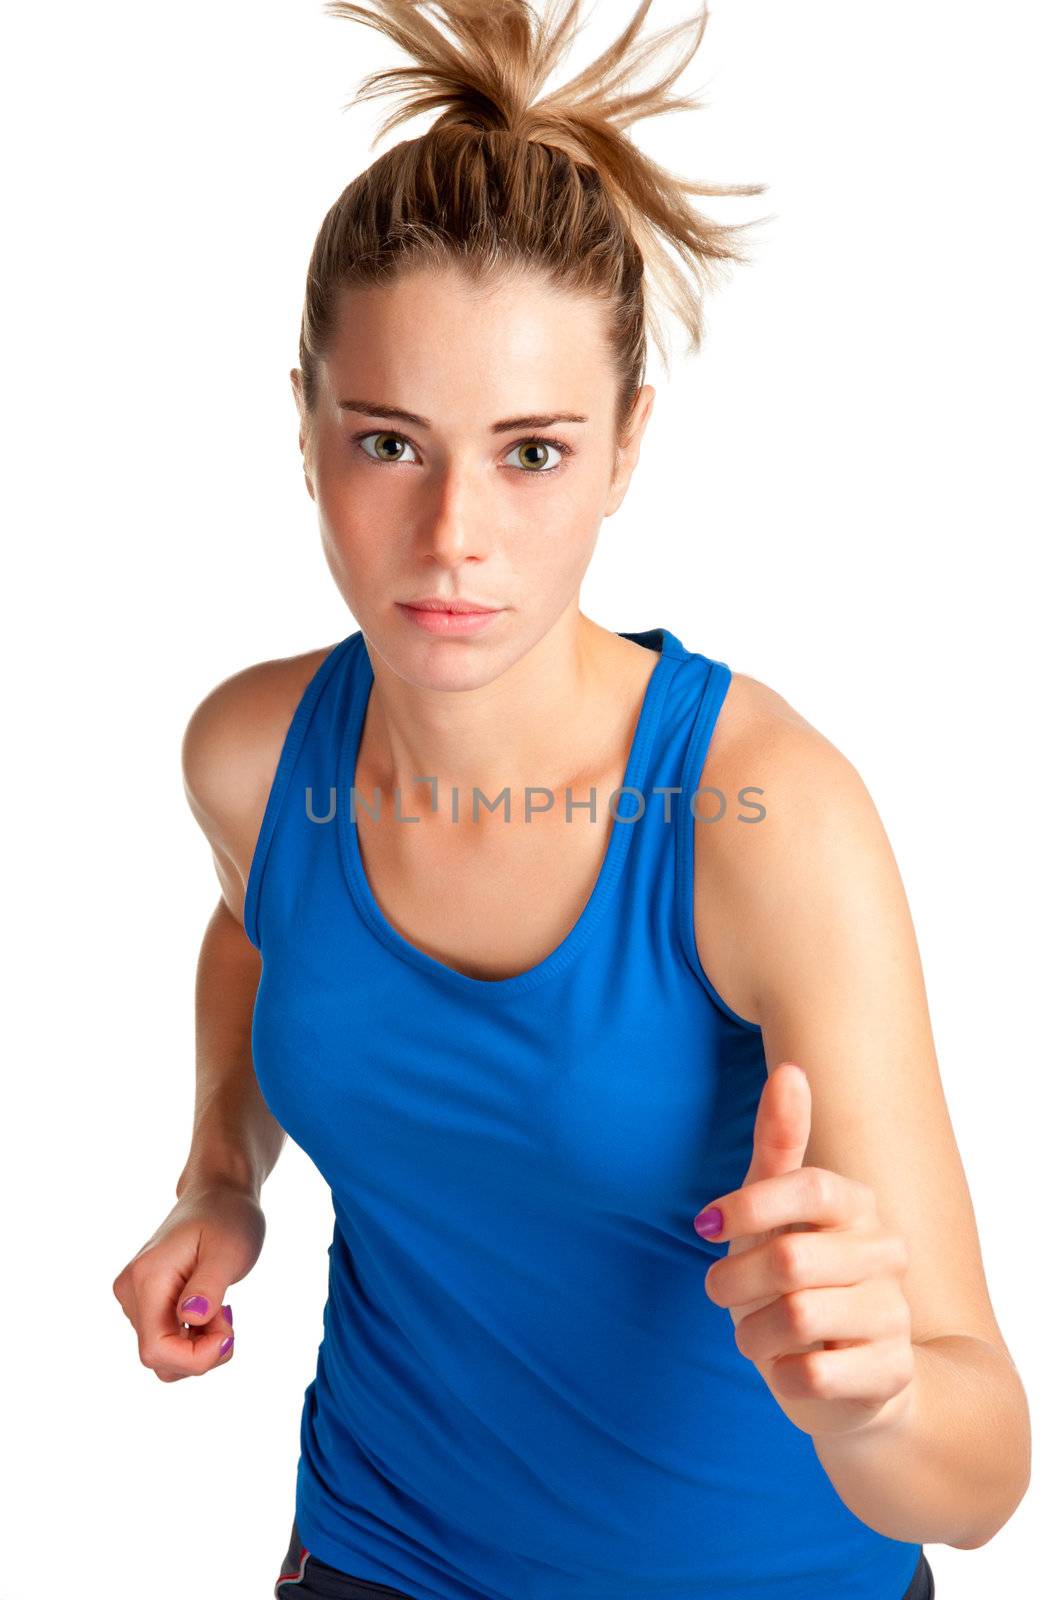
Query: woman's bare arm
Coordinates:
[229,755]
[173,1289]
[235,1137]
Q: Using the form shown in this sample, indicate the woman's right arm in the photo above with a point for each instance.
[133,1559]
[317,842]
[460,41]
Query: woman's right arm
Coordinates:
[235,1140]
[214,1234]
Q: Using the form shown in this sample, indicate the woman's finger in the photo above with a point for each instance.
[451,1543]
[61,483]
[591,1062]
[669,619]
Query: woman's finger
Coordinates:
[166,1345]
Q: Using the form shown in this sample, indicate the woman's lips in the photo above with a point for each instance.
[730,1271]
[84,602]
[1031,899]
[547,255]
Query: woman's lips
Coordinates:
[448,622]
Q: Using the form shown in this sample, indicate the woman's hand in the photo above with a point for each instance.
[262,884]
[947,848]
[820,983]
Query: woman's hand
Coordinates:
[211,1238]
[816,1297]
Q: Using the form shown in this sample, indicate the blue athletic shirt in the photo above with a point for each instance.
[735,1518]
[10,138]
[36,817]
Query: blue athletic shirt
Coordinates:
[522,1390]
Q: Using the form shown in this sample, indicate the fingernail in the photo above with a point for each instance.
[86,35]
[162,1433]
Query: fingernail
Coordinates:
[709,1223]
[197,1305]
[226,1346]
[227,1313]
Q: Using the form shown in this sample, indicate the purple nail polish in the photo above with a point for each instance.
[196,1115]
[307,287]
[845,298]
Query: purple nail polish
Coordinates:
[227,1313]
[226,1346]
[197,1305]
[709,1223]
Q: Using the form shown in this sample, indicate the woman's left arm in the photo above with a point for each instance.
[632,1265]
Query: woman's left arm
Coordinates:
[835,969]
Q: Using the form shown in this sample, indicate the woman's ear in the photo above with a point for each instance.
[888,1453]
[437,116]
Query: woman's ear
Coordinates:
[296,378]
[627,454]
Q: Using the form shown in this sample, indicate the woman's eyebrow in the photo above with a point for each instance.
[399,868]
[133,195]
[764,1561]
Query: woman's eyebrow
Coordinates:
[369,408]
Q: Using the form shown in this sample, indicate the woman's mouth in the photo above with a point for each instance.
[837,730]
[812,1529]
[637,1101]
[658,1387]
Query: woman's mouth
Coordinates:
[448,616]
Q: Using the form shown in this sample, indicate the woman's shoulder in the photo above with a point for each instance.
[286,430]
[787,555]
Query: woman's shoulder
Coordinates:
[788,794]
[759,730]
[229,754]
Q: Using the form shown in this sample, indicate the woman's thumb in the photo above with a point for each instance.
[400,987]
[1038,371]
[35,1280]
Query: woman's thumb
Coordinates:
[202,1297]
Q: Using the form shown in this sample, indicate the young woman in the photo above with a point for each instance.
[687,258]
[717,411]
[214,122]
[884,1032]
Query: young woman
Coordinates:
[475,953]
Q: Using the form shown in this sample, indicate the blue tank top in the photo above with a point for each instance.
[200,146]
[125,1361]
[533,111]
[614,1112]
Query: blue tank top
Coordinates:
[522,1391]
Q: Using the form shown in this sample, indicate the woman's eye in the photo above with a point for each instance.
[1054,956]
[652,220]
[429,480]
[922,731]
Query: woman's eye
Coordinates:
[380,453]
[531,454]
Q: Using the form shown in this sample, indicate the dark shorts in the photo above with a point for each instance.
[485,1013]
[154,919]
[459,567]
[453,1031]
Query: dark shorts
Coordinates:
[303,1574]
[922,1584]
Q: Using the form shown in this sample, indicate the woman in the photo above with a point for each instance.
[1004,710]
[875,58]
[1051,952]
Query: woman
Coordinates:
[529,1037]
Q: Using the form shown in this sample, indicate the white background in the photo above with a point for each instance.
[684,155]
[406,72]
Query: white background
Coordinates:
[851,494]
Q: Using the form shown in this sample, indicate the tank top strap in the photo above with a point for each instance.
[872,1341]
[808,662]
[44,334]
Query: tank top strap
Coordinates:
[304,782]
[676,753]
[660,888]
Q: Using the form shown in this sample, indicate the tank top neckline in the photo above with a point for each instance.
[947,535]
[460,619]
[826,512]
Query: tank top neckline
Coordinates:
[671,651]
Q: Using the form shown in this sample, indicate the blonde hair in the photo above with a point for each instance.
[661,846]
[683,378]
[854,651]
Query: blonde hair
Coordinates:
[504,181]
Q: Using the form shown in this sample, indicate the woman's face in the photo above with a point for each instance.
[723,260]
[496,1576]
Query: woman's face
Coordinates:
[483,492]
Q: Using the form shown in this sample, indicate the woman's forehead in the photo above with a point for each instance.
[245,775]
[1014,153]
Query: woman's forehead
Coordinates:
[519,314]
[421,346]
